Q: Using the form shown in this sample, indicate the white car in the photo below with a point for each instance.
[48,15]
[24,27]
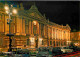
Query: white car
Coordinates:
[66,50]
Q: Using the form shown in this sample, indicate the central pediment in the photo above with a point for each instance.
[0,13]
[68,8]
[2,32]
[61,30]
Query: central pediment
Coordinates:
[33,11]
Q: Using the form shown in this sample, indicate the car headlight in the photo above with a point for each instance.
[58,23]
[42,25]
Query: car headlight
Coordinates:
[63,50]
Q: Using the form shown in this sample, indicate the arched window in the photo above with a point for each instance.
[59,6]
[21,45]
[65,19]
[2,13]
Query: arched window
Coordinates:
[34,29]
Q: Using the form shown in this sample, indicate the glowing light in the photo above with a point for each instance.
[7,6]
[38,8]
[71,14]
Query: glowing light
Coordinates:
[40,39]
[7,12]
[14,11]
[34,22]
[11,5]
[32,39]
[6,8]
[68,41]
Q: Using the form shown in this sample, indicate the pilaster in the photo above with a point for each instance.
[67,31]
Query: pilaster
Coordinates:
[29,27]
[6,25]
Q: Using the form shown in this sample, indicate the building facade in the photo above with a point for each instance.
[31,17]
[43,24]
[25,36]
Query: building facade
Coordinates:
[31,29]
[75,38]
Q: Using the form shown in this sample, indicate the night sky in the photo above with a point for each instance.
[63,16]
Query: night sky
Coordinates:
[60,12]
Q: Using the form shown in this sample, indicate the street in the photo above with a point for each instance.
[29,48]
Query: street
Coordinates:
[73,54]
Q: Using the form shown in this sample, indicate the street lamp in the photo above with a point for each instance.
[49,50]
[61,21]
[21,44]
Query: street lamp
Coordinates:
[9,11]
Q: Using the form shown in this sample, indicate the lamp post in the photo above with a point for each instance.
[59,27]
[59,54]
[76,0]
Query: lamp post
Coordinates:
[9,12]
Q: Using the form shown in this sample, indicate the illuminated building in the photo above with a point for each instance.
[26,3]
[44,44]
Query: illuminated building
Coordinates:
[75,38]
[31,29]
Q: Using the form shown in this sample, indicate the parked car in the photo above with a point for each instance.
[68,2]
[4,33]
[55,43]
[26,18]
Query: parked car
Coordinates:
[56,51]
[8,54]
[43,52]
[33,51]
[22,53]
[15,49]
[50,51]
[75,48]
[66,50]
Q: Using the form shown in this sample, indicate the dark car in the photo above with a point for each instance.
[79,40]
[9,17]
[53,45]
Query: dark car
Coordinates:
[22,53]
[56,51]
[43,52]
[75,48]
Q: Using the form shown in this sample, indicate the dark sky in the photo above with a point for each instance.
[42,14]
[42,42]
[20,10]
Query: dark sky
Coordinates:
[60,12]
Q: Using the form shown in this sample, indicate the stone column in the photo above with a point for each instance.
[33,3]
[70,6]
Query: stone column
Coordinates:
[69,37]
[32,27]
[55,37]
[62,38]
[23,27]
[18,23]
[52,33]
[38,28]
[57,34]
[52,36]
[3,22]
[29,27]
[48,36]
[62,35]
[6,25]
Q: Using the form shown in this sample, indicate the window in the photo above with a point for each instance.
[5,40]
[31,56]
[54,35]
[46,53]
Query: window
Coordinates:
[34,29]
[50,42]
[64,43]
[61,43]
[1,41]
[54,43]
[27,41]
[42,42]
[42,29]
[27,26]
[57,43]
[0,17]
[64,31]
